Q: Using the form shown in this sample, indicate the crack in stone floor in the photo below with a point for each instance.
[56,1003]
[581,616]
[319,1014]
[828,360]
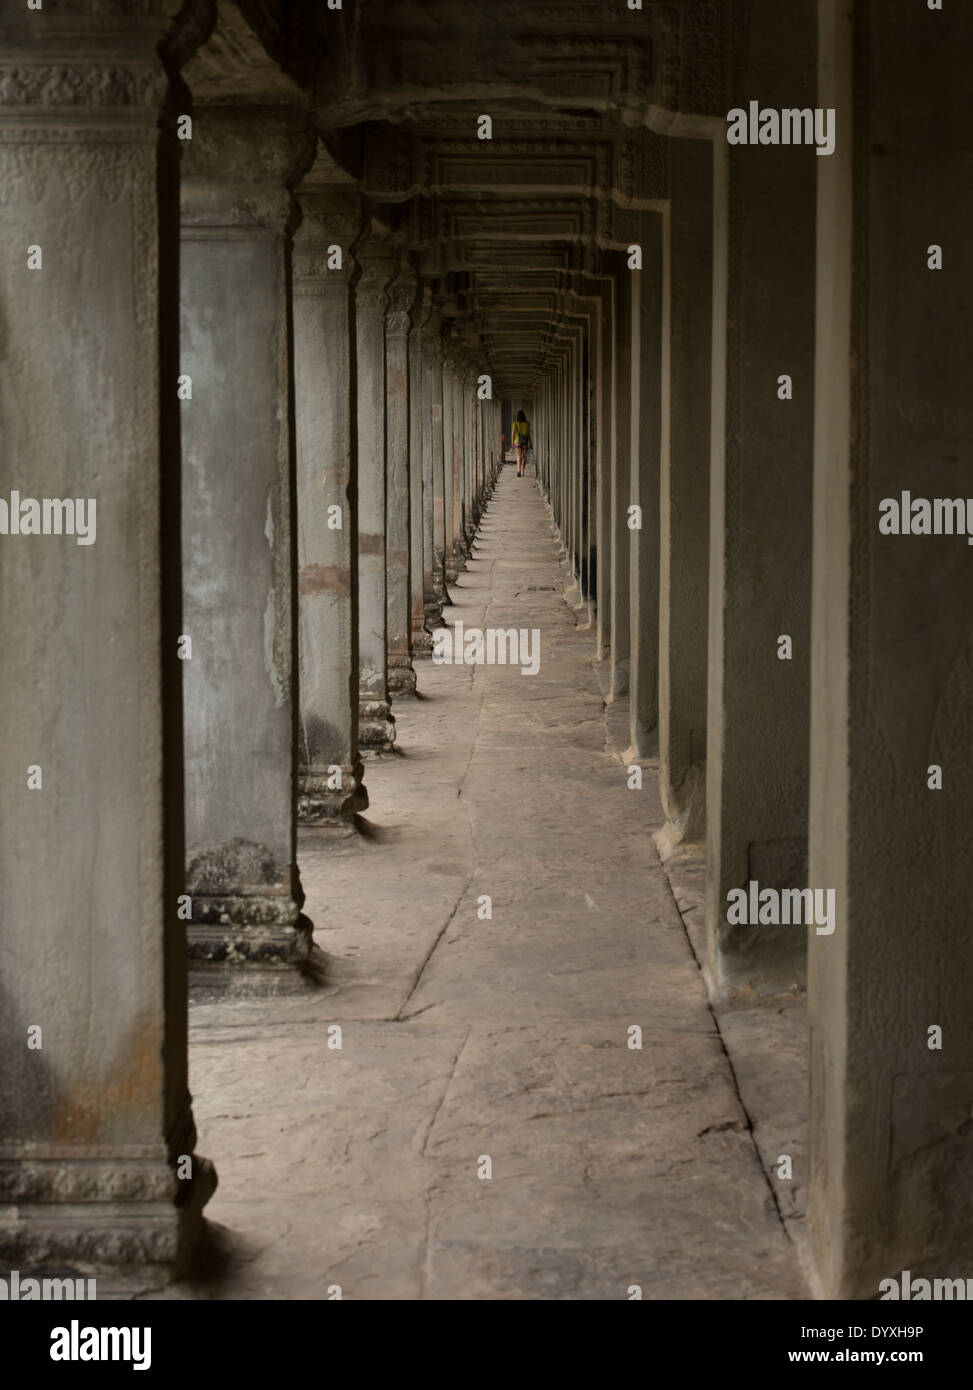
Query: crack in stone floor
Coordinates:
[611,1166]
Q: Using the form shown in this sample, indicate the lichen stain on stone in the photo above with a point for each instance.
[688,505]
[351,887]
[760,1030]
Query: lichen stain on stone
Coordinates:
[269,523]
[239,866]
[100,1105]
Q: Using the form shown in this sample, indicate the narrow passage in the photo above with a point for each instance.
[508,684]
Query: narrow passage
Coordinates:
[465,1038]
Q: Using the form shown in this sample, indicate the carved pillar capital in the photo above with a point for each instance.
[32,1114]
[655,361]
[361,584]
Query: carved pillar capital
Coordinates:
[432,338]
[420,315]
[331,221]
[378,265]
[77,78]
[402,300]
[241,165]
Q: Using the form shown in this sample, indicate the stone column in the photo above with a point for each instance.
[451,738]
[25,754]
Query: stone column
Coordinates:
[402,297]
[585,317]
[595,302]
[475,488]
[237,211]
[330,769]
[378,265]
[562,463]
[684,500]
[421,637]
[449,393]
[891,788]
[599,298]
[469,500]
[621,480]
[760,538]
[97,1171]
[649,444]
[459,451]
[434,376]
[574,332]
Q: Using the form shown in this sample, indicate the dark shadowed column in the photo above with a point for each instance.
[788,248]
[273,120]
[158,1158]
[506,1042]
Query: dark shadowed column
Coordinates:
[760,536]
[621,476]
[891,805]
[684,501]
[649,443]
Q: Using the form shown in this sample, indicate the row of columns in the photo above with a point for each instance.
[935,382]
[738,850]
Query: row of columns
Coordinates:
[222,349]
[778,359]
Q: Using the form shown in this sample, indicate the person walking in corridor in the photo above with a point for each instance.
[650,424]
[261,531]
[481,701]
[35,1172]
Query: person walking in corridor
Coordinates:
[522,441]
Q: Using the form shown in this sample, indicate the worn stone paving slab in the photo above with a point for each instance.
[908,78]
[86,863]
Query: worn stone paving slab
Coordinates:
[505,1036]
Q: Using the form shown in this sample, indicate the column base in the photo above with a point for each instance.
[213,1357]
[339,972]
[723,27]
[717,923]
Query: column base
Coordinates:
[242,912]
[120,1217]
[401,676]
[685,826]
[247,932]
[434,613]
[421,643]
[755,959]
[319,802]
[376,727]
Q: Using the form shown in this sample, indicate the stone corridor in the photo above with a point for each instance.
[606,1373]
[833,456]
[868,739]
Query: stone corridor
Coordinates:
[301,931]
[505,1037]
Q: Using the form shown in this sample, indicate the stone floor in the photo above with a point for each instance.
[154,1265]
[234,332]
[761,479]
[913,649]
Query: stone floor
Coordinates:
[466,1037]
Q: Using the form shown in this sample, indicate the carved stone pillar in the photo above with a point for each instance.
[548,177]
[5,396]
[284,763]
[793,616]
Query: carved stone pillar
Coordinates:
[684,503]
[402,296]
[376,725]
[760,522]
[239,572]
[649,440]
[421,637]
[432,466]
[466,503]
[330,768]
[621,476]
[449,445]
[97,1170]
[597,301]
[891,783]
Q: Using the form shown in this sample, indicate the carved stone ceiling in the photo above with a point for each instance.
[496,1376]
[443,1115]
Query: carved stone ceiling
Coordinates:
[397,89]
